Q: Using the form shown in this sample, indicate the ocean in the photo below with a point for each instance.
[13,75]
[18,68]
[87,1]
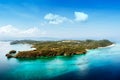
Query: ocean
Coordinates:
[97,64]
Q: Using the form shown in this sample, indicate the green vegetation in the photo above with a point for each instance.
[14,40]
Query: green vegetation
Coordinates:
[55,48]
[12,52]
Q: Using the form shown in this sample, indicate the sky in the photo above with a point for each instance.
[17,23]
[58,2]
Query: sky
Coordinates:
[63,19]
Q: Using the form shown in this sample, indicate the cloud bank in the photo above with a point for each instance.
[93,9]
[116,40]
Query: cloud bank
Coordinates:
[57,19]
[80,16]
[9,31]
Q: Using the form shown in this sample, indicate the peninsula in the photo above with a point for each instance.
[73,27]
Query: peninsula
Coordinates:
[57,48]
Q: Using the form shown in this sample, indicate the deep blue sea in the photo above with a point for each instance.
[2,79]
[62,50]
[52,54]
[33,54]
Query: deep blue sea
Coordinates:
[97,64]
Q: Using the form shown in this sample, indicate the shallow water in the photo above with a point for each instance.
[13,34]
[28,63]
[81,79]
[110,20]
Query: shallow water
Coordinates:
[98,64]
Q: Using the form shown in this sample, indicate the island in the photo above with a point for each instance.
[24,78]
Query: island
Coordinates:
[57,48]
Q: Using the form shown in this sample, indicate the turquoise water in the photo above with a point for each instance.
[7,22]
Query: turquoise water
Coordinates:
[97,64]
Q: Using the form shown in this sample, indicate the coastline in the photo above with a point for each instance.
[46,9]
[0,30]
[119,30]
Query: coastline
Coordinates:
[58,48]
[112,45]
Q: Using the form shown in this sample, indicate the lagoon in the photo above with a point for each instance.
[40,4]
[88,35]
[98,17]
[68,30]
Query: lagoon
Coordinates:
[97,64]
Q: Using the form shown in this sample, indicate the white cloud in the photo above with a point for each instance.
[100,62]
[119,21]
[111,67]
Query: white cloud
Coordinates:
[55,19]
[10,31]
[80,16]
